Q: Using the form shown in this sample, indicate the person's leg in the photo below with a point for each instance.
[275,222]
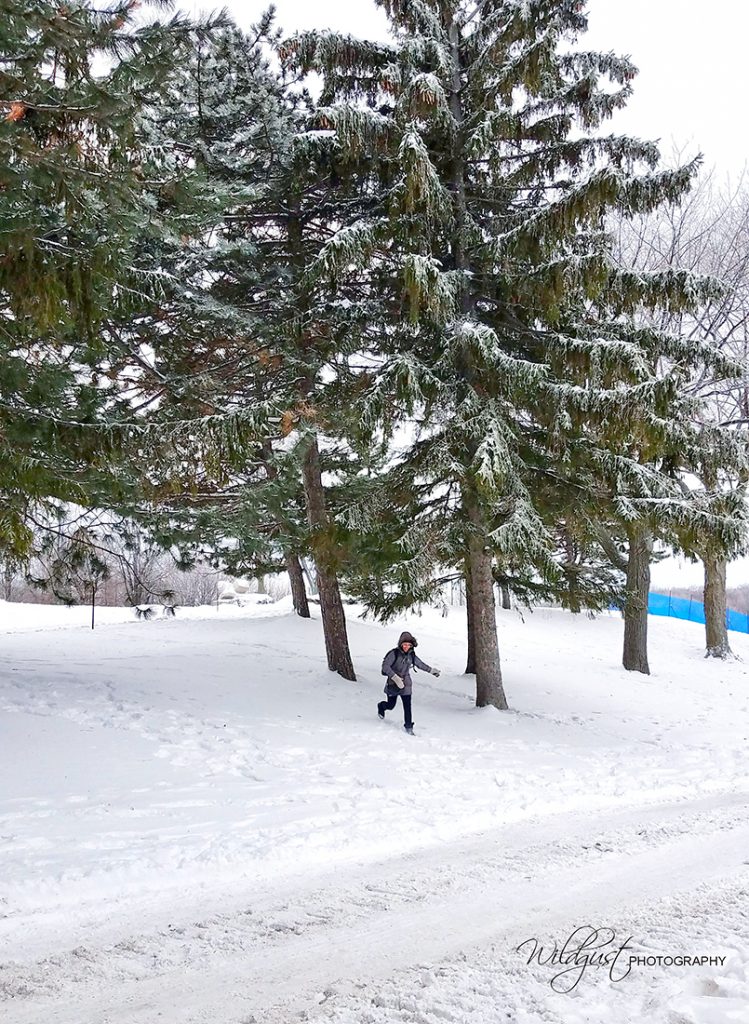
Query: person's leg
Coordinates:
[406,698]
[387,705]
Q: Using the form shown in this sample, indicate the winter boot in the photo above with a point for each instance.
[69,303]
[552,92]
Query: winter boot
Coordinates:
[409,729]
[381,711]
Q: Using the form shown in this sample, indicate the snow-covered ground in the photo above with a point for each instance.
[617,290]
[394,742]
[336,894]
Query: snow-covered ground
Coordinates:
[200,823]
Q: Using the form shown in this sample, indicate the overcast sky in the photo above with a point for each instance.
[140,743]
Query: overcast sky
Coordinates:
[691,92]
[694,68]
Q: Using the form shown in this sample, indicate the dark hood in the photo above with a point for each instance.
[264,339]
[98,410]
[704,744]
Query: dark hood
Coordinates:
[409,637]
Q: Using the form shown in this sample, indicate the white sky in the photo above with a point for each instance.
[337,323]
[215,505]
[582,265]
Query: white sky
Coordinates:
[690,95]
[692,86]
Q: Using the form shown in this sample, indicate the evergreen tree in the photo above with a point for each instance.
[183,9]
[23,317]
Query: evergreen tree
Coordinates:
[487,233]
[74,195]
[248,327]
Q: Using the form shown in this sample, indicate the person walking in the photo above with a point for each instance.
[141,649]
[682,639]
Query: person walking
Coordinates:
[396,665]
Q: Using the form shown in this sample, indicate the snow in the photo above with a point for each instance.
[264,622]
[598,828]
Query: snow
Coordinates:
[198,822]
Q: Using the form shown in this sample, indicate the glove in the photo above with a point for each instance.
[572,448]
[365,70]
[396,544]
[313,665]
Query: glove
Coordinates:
[398,681]
[435,671]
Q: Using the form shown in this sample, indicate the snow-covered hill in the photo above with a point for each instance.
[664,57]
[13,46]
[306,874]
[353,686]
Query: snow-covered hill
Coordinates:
[198,822]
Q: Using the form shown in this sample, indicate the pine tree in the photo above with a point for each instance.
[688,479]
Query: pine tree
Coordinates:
[73,197]
[248,327]
[507,325]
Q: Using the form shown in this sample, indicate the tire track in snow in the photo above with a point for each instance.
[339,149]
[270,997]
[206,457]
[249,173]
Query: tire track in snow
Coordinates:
[273,951]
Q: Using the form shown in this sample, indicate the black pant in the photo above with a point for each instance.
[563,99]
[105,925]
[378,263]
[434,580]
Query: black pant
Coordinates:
[390,703]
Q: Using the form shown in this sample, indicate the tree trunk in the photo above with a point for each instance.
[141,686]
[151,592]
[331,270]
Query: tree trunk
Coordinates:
[293,565]
[571,570]
[489,689]
[483,652]
[635,658]
[298,590]
[308,572]
[504,590]
[471,661]
[716,634]
[331,606]
[8,579]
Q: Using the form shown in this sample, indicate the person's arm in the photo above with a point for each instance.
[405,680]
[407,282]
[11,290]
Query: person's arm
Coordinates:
[424,667]
[387,670]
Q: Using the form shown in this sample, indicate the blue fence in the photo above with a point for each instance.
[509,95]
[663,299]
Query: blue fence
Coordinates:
[693,611]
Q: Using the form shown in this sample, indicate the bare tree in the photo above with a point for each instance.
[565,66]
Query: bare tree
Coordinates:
[73,567]
[141,564]
[708,233]
[9,574]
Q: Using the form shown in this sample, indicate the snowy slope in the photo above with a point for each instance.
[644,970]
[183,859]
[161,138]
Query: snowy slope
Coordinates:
[198,820]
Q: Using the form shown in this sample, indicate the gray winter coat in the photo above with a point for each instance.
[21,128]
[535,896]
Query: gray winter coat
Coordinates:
[398,663]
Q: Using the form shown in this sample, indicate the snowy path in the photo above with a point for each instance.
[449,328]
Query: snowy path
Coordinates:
[284,950]
[199,824]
